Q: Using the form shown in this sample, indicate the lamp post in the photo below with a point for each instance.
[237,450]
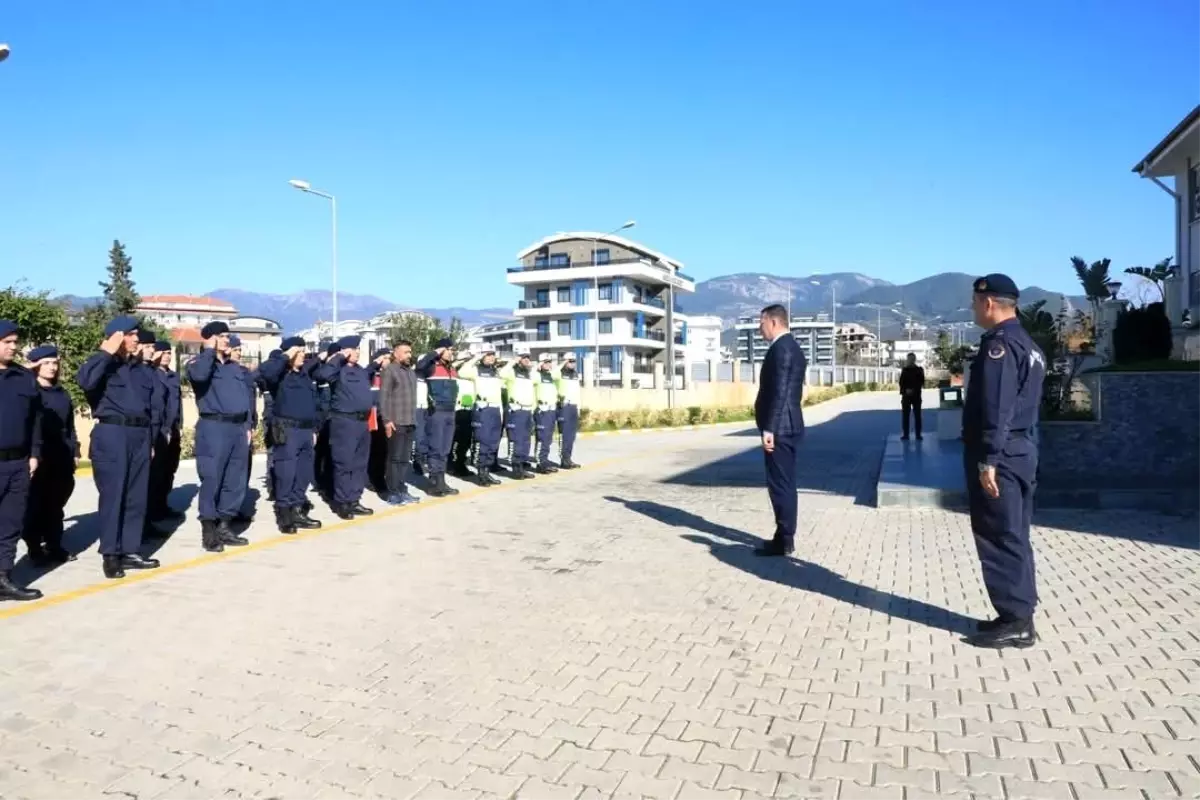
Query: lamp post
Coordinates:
[596,284]
[306,187]
[4,51]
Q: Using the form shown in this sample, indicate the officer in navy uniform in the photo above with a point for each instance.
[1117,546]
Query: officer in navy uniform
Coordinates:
[121,399]
[222,437]
[349,440]
[54,481]
[1001,411]
[20,449]
[288,376]
[377,460]
[322,457]
[147,342]
[235,355]
[441,378]
[168,439]
[268,402]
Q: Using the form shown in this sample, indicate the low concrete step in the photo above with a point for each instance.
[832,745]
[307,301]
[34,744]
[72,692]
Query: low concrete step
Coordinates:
[924,473]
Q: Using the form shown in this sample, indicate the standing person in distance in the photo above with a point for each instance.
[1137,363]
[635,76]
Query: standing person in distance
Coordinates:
[349,439]
[397,411]
[780,420]
[222,437]
[20,449]
[545,413]
[437,368]
[288,376]
[121,400]
[487,389]
[53,483]
[520,397]
[912,383]
[168,440]
[1001,458]
[568,412]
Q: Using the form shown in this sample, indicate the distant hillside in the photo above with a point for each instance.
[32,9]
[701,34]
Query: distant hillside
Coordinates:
[302,309]
[744,294]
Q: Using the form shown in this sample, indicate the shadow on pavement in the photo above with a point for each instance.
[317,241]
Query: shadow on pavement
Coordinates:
[839,456]
[738,551]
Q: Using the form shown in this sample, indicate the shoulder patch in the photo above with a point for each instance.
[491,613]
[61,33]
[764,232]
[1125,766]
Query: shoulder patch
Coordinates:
[996,351]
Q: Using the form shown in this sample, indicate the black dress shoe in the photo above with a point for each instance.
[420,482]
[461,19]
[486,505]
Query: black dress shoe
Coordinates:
[568,464]
[285,520]
[112,567]
[302,520]
[135,561]
[208,536]
[361,510]
[344,512]
[985,625]
[775,547]
[1018,633]
[225,535]
[10,591]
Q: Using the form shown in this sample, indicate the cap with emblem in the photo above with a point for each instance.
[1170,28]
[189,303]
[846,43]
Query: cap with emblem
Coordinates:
[7,328]
[146,337]
[292,341]
[122,324]
[547,358]
[44,351]
[235,341]
[213,329]
[570,357]
[997,284]
[521,351]
[162,346]
[349,342]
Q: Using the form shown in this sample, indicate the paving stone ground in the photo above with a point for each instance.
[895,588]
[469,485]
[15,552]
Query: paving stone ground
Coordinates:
[606,633]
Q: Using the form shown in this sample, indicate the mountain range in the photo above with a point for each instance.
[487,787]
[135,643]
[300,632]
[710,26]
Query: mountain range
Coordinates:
[939,300]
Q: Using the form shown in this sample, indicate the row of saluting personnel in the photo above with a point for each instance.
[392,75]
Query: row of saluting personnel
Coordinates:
[319,412]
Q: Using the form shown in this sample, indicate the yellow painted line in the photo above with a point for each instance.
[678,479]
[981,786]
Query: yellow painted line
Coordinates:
[133,577]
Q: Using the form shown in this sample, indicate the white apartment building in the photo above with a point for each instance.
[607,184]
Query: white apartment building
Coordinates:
[704,339]
[861,342]
[376,332]
[814,334]
[499,336]
[900,349]
[181,310]
[604,298]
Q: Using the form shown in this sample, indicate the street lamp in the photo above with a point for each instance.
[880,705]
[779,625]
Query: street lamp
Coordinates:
[596,283]
[306,187]
[4,51]
[1113,287]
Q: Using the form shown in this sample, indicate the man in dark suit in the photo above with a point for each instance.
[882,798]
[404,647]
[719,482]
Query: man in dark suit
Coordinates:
[780,420]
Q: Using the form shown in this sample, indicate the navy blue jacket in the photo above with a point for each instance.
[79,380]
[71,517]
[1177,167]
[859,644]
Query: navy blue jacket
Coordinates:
[219,385]
[1004,393]
[777,408]
[173,419]
[293,393]
[20,411]
[265,391]
[59,442]
[116,386]
[350,388]
[252,391]
[158,395]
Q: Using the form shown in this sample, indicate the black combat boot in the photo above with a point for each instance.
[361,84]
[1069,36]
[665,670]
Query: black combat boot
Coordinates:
[358,509]
[209,537]
[137,561]
[226,535]
[446,489]
[113,568]
[284,520]
[10,591]
[303,521]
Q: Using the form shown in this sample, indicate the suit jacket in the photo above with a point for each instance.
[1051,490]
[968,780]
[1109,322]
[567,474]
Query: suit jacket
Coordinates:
[781,388]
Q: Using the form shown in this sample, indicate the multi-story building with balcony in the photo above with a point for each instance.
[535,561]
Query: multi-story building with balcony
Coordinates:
[814,334]
[603,297]
[503,337]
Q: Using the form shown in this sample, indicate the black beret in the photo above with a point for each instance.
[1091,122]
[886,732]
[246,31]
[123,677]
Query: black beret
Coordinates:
[291,341]
[45,351]
[333,347]
[213,329]
[274,353]
[997,284]
[349,342]
[146,337]
[381,351]
[235,340]
[445,343]
[123,324]
[162,346]
[7,328]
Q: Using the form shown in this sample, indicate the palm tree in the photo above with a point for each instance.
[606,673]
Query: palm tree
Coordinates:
[1094,279]
[1157,274]
[1041,327]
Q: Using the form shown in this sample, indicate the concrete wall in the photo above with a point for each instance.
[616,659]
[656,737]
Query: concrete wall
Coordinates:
[1146,436]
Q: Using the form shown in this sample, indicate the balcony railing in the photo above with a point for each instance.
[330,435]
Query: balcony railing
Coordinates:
[649,301]
[539,266]
[542,337]
[533,304]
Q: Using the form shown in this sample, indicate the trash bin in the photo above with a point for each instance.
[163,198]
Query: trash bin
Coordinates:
[950,411]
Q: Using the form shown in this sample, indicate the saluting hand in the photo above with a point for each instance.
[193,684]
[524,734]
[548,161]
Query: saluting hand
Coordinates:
[987,479]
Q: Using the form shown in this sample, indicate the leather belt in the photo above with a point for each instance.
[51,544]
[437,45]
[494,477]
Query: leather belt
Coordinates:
[361,416]
[14,454]
[127,422]
[236,419]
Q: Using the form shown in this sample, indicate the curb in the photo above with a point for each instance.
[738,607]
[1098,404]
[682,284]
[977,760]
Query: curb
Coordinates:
[630,431]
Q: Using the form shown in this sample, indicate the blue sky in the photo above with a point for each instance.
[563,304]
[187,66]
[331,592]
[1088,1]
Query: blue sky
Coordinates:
[896,138]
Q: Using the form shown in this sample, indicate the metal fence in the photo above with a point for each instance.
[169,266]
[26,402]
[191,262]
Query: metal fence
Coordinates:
[817,375]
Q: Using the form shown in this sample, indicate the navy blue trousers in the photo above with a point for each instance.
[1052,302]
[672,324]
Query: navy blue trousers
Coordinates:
[568,427]
[420,437]
[439,436]
[120,459]
[350,450]
[781,486]
[222,459]
[519,426]
[1001,528]
[14,497]
[163,466]
[49,490]
[292,467]
[488,430]
[544,421]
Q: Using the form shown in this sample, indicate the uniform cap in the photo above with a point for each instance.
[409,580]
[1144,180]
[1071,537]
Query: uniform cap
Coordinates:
[443,343]
[213,329]
[7,328]
[569,357]
[349,342]
[291,341]
[274,353]
[122,324]
[146,337]
[997,284]
[38,353]
[381,351]
[235,341]
[333,347]
[547,358]
[162,346]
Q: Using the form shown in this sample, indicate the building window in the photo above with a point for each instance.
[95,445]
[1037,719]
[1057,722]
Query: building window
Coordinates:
[564,294]
[564,327]
[542,298]
[606,324]
[560,260]
[540,261]
[606,360]
[1194,193]
[606,292]
[543,331]
[602,256]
